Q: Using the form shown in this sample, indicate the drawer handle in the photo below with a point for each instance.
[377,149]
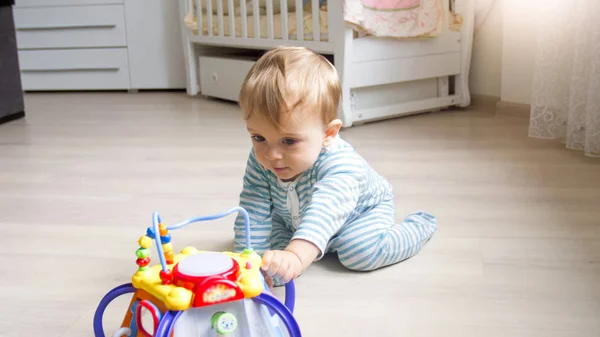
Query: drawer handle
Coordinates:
[74,26]
[71,69]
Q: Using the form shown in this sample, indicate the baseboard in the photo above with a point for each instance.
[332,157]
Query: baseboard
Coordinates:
[513,109]
[484,102]
[495,105]
[12,117]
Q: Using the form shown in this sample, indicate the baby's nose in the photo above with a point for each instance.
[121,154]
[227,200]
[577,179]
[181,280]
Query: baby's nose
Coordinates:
[273,153]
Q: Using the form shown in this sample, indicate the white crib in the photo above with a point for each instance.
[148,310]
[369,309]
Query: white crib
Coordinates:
[382,77]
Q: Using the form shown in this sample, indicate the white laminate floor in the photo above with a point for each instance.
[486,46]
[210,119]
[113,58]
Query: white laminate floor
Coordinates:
[517,253]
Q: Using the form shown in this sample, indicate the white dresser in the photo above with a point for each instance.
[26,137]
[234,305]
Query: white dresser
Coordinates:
[99,44]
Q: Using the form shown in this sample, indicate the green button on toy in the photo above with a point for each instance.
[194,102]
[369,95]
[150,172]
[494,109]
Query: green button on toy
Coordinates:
[223,323]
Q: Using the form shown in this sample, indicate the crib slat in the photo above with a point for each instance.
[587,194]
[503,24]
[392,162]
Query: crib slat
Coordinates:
[300,20]
[256,19]
[231,18]
[243,15]
[284,20]
[316,20]
[220,16]
[209,16]
[270,19]
[199,16]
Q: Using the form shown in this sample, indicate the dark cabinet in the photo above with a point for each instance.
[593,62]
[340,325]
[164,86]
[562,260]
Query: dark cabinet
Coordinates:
[12,104]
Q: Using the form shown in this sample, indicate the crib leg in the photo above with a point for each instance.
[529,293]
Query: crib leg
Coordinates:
[191,59]
[192,70]
[467,9]
[342,59]
[189,53]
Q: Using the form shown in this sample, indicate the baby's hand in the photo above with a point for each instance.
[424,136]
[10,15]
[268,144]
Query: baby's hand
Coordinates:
[282,264]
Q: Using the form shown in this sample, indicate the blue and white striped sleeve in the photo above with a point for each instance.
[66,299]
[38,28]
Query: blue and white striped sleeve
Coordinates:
[256,199]
[334,197]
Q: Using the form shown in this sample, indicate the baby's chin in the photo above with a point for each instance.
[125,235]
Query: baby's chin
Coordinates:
[287,175]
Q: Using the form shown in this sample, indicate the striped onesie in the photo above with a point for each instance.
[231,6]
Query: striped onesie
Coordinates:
[341,205]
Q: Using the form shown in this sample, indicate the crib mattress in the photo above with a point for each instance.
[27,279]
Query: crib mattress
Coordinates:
[191,23]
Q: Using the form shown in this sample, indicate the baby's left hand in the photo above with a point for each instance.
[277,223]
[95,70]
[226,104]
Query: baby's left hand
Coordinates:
[282,264]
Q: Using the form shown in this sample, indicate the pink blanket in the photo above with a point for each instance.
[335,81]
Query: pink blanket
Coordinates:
[396,18]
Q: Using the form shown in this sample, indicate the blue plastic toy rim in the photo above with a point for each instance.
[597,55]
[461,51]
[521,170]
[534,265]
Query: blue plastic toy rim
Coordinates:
[282,311]
[290,295]
[109,297]
[167,324]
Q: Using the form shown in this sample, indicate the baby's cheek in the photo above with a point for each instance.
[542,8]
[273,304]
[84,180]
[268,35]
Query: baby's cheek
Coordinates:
[308,160]
[260,154]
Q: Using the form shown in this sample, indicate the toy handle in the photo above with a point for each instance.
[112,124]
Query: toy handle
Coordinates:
[280,310]
[290,295]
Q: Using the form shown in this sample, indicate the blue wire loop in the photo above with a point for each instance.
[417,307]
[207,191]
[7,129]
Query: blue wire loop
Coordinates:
[156,220]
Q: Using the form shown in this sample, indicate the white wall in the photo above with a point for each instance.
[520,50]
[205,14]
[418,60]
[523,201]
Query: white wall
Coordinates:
[519,48]
[486,61]
[504,49]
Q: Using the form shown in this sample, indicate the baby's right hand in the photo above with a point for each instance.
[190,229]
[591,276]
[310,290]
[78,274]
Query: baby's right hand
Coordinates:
[281,264]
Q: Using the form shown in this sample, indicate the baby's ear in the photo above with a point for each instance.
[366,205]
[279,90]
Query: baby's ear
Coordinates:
[331,131]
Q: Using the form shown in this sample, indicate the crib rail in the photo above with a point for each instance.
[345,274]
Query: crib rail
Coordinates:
[260,23]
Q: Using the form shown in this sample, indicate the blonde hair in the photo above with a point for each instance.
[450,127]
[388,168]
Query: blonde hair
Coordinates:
[287,78]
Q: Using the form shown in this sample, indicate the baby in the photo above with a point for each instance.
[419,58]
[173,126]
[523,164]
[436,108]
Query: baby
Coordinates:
[307,191]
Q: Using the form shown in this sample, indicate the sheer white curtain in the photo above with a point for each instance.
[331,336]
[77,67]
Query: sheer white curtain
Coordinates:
[566,90]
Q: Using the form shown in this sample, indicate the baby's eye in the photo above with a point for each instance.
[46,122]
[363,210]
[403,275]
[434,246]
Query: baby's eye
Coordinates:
[258,138]
[289,141]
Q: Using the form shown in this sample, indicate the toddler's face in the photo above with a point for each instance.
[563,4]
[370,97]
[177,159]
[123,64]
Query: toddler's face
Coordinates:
[289,151]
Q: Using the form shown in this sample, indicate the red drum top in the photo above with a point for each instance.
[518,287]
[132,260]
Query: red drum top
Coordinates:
[197,267]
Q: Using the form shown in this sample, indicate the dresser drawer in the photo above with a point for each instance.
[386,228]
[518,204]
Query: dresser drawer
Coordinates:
[83,69]
[222,77]
[70,27]
[46,3]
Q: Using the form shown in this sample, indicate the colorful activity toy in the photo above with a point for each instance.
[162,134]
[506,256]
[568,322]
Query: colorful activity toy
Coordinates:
[199,293]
